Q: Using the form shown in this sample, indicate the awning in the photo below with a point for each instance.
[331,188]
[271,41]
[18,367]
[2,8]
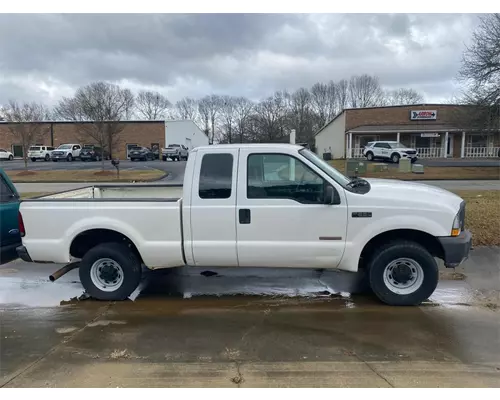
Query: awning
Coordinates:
[404,128]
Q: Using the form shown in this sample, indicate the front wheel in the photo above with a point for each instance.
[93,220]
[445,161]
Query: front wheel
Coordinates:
[110,271]
[403,273]
[369,156]
[33,159]
[395,158]
[47,157]
[69,158]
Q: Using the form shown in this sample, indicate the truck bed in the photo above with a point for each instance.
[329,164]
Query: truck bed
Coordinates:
[116,192]
[148,215]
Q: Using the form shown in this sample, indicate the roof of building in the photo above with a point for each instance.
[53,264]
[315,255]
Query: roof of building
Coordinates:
[398,106]
[404,128]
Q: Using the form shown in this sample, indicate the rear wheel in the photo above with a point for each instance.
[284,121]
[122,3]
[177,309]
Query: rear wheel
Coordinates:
[110,271]
[47,157]
[11,157]
[33,159]
[403,273]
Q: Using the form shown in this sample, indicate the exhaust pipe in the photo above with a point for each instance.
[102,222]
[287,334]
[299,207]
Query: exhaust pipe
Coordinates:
[64,270]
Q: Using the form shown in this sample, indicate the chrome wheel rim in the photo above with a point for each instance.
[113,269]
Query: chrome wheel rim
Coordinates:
[106,274]
[403,276]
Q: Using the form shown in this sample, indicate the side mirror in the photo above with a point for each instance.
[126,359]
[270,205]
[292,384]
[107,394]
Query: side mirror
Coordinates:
[331,196]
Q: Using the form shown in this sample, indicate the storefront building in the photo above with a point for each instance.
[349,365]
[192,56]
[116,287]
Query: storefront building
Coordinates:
[434,130]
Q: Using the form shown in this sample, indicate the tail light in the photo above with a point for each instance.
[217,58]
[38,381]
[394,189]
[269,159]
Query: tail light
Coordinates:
[22,230]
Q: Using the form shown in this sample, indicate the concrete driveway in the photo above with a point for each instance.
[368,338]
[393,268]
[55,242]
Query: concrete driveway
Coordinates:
[249,328]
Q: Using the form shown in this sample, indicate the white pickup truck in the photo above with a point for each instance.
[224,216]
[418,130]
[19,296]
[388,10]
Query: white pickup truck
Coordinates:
[269,205]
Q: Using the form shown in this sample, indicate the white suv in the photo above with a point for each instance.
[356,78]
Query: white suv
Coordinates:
[393,151]
[66,152]
[40,153]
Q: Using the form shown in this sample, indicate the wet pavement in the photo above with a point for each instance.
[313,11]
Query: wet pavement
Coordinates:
[248,328]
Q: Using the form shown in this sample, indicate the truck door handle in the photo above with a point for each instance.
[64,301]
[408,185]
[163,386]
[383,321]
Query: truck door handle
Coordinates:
[244,215]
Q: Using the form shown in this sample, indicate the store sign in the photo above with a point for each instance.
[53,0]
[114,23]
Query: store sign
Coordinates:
[429,135]
[423,114]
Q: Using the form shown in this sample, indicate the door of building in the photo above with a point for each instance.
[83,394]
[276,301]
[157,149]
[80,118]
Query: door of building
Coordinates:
[17,150]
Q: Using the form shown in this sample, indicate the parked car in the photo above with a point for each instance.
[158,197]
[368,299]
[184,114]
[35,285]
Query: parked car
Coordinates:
[176,152]
[390,230]
[10,237]
[141,153]
[93,153]
[40,153]
[6,155]
[67,152]
[393,151]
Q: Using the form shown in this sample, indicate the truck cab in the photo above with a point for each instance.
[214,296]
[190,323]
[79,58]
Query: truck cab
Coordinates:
[10,237]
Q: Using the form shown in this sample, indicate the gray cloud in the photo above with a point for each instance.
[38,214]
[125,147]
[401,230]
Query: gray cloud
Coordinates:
[45,56]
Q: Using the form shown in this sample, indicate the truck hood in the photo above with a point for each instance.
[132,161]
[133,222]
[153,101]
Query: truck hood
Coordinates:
[396,192]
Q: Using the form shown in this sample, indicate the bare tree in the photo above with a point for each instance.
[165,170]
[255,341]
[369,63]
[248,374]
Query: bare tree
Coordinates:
[480,73]
[100,107]
[228,117]
[152,105]
[365,91]
[342,91]
[301,114]
[27,123]
[270,119]
[187,108]
[403,96]
[211,105]
[243,109]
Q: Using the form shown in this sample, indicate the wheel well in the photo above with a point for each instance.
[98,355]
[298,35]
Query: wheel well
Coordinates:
[91,238]
[424,239]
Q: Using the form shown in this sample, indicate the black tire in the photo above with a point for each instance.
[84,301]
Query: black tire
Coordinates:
[47,157]
[11,157]
[395,158]
[33,159]
[164,158]
[369,156]
[121,254]
[54,160]
[382,258]
[69,158]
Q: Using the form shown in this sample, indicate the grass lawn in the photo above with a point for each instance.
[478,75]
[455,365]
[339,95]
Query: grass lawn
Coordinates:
[482,215]
[430,173]
[88,175]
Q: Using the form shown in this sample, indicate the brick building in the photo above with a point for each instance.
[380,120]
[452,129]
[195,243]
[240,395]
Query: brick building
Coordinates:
[141,133]
[435,130]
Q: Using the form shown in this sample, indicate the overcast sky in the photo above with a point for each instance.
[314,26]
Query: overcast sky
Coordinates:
[46,56]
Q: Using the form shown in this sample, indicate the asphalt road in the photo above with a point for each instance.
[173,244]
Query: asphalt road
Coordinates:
[249,328]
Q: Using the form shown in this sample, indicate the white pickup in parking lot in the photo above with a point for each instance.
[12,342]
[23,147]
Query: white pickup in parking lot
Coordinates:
[268,205]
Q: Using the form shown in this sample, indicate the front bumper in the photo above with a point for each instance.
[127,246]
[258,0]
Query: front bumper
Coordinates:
[456,248]
[22,252]
[59,156]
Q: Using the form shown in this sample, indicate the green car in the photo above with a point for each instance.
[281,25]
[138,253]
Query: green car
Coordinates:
[10,238]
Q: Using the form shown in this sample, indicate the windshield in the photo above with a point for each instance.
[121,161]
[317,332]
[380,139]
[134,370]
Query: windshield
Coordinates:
[325,167]
[397,145]
[65,146]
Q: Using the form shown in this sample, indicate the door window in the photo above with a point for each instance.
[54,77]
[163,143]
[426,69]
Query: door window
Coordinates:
[216,176]
[280,176]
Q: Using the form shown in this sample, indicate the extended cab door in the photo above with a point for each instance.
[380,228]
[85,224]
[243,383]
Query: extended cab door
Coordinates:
[282,218]
[212,210]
